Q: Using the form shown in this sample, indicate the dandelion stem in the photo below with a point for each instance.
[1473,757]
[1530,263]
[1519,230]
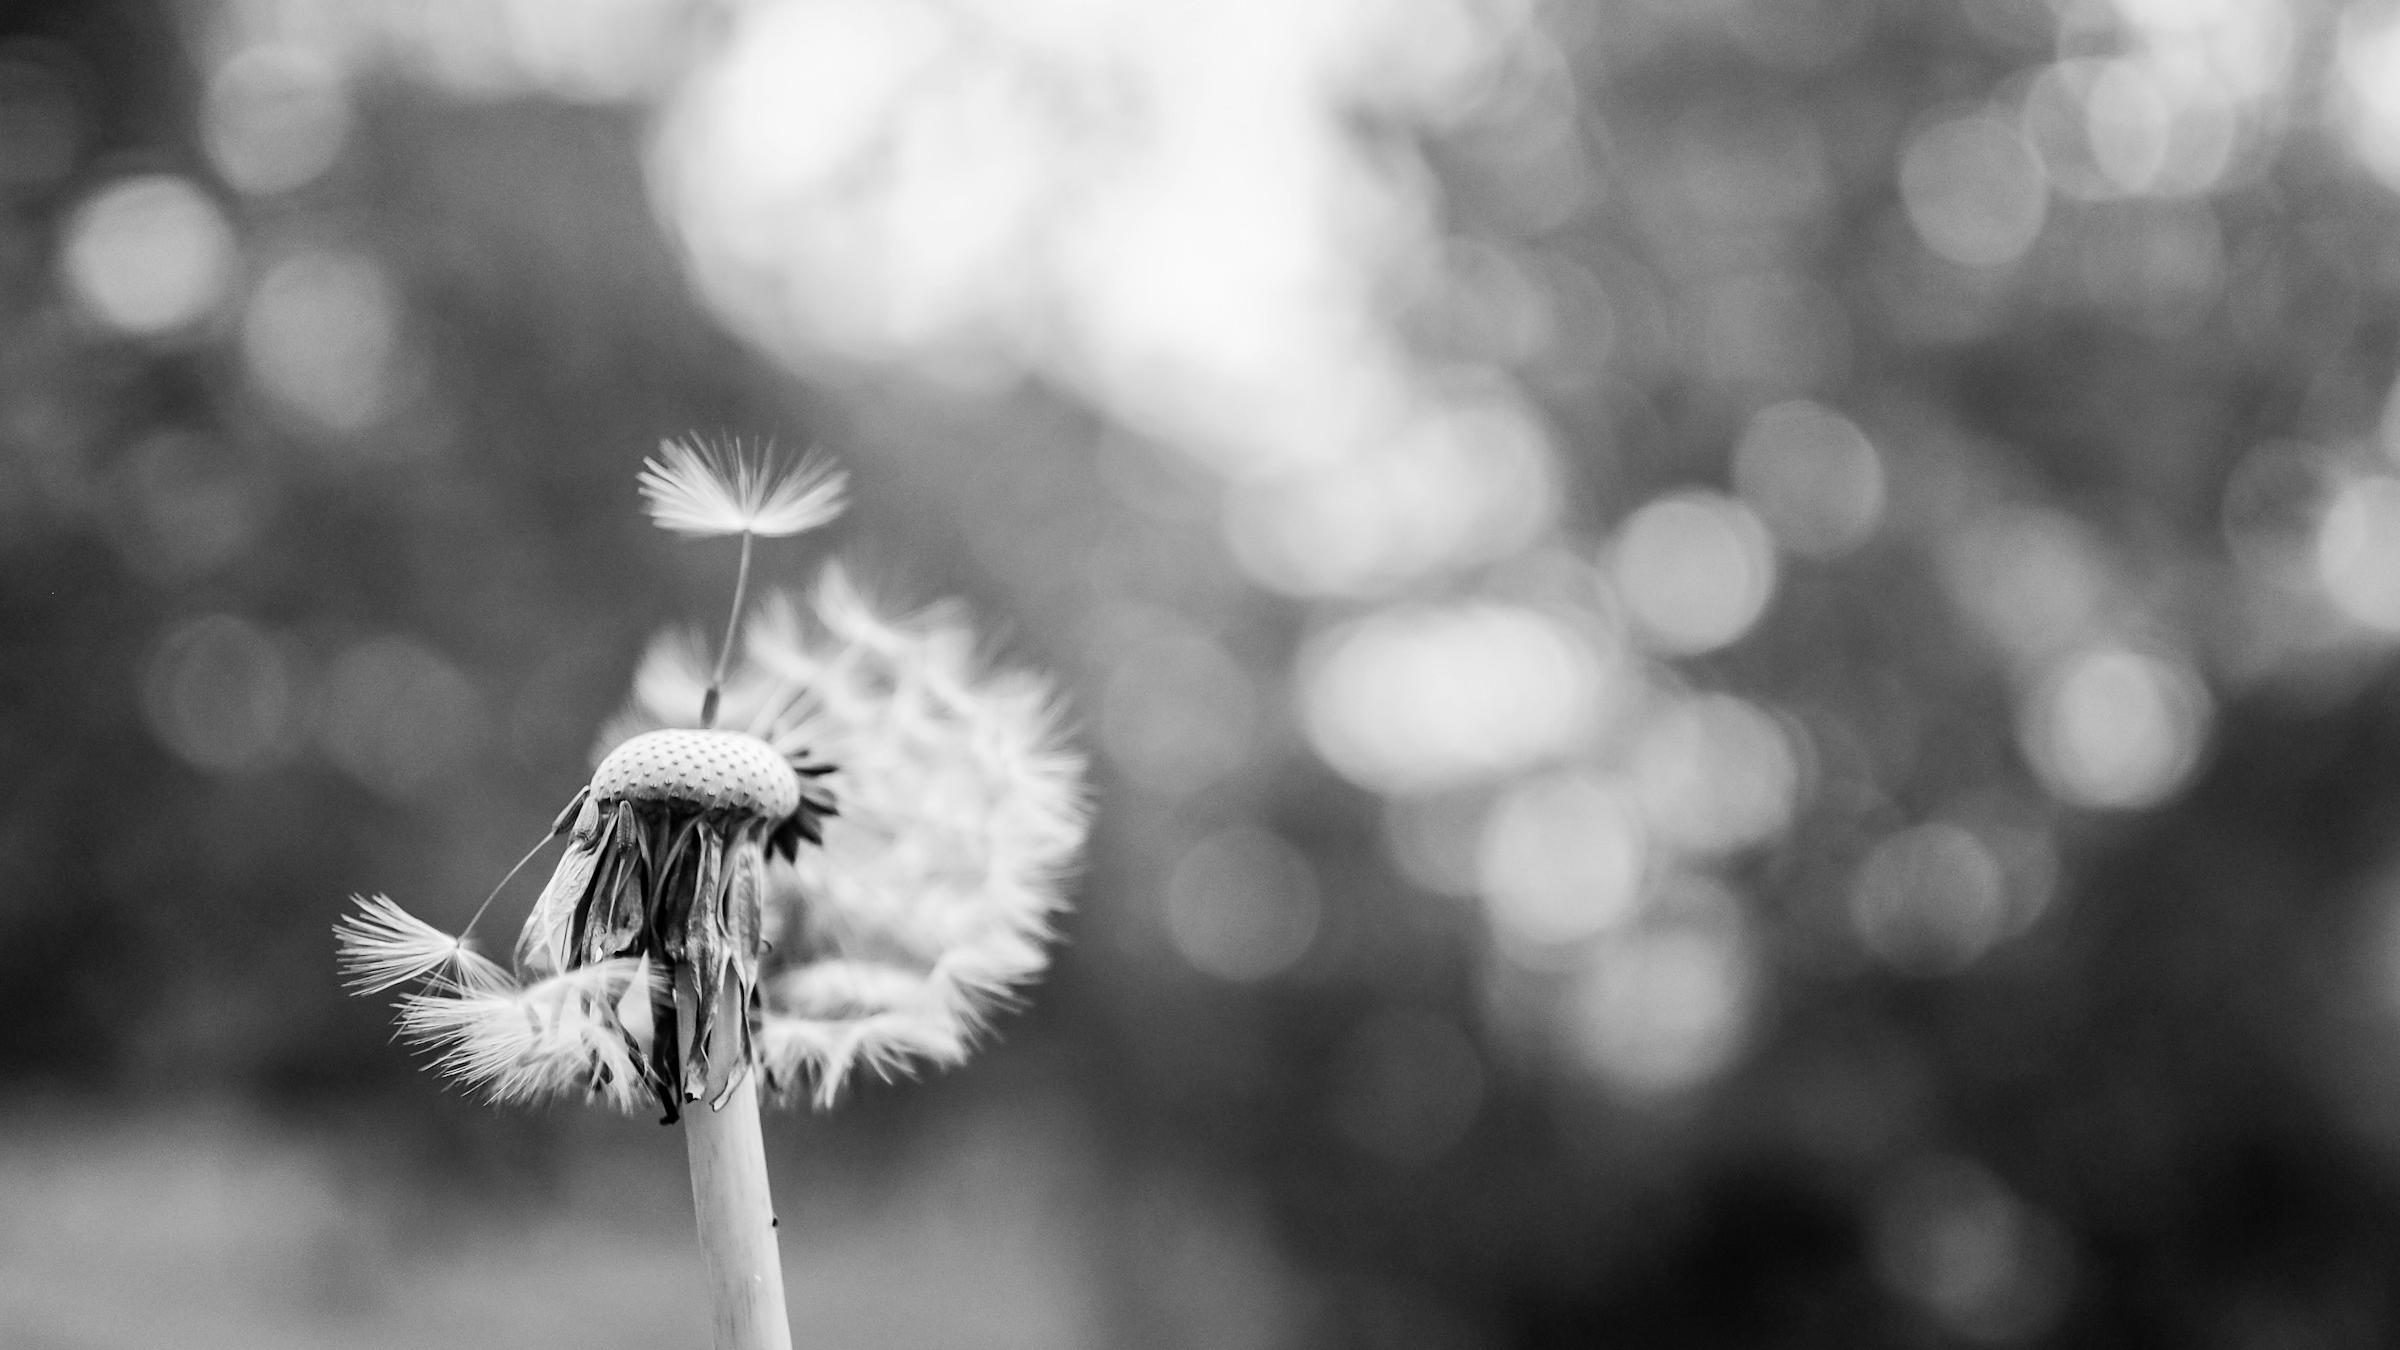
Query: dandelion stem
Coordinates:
[733,625]
[737,1221]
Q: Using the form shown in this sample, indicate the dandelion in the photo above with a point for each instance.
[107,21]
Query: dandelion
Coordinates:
[841,853]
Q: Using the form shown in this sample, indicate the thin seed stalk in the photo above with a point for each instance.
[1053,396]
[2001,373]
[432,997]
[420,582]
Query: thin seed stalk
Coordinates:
[733,626]
[737,1222]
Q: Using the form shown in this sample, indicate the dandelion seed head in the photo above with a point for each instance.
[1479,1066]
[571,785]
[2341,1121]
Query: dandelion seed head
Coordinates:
[705,490]
[962,812]
[713,914]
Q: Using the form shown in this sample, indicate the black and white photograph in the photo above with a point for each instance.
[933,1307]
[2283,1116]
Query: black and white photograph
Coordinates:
[1199,674]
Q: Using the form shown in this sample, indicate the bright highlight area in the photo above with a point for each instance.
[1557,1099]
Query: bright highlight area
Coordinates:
[1974,190]
[1462,486]
[2114,727]
[2358,552]
[275,118]
[2370,68]
[1415,698]
[149,255]
[1696,571]
[1715,773]
[1663,1007]
[320,335]
[1563,857]
[1812,475]
[1162,204]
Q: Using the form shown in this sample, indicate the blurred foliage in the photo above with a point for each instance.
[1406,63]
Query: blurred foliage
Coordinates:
[1602,885]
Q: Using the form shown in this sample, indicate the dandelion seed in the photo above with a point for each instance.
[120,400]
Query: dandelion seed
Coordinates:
[706,491]
[383,946]
[558,1035]
[710,490]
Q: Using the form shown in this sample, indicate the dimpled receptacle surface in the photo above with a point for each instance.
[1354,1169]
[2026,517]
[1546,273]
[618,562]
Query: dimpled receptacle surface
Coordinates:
[713,769]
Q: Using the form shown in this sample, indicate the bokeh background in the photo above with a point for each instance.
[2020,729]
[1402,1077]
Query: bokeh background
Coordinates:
[1739,654]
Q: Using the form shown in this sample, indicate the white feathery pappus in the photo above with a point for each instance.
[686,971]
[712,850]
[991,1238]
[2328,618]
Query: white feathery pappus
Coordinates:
[714,914]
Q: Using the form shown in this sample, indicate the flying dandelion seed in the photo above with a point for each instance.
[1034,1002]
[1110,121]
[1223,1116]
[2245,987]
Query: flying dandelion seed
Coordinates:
[703,490]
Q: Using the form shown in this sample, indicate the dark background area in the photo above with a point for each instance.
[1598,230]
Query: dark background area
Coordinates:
[1738,655]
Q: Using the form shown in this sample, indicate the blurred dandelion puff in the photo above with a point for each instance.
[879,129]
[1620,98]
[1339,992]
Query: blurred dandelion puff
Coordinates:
[931,898]
[714,915]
